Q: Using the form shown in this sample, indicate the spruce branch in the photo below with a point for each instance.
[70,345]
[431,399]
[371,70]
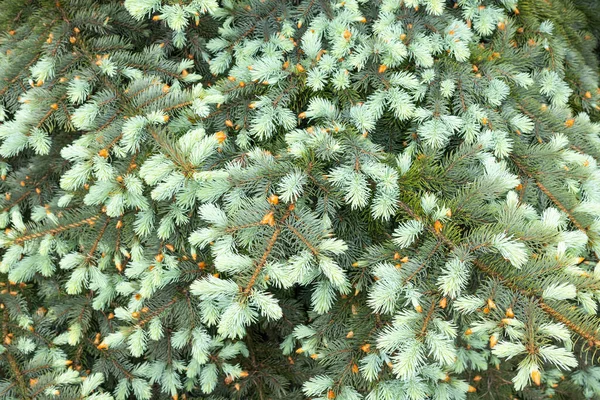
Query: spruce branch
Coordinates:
[263,259]
[61,228]
[591,338]
[16,373]
[548,193]
[90,254]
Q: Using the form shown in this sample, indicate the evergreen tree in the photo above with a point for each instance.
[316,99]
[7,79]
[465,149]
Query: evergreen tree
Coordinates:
[275,199]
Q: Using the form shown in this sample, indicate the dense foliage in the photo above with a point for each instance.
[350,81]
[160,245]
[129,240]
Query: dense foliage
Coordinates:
[270,199]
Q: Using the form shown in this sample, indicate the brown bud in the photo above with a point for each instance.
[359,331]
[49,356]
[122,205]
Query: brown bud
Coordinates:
[536,377]
[220,136]
[102,346]
[268,219]
[443,302]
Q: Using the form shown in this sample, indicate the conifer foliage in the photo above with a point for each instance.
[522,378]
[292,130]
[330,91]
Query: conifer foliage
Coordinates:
[285,199]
